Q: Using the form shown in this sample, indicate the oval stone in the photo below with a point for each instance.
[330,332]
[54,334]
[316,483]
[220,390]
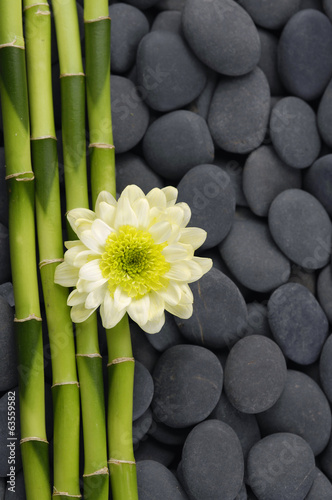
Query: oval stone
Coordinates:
[132,169]
[219,313]
[324,115]
[222,35]
[304,54]
[129,25]
[325,368]
[301,409]
[176,142]
[318,181]
[298,323]
[324,291]
[321,488]
[143,390]
[168,74]
[265,175]
[271,15]
[255,374]
[268,62]
[168,20]
[188,381]
[142,4]
[239,112]
[154,478]
[212,464]
[252,256]
[210,195]
[294,133]
[301,228]
[281,466]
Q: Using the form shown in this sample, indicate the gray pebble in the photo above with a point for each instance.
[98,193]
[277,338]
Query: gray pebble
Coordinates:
[325,368]
[154,478]
[304,62]
[265,175]
[143,390]
[301,228]
[303,277]
[324,291]
[129,25]
[321,488]
[271,15]
[327,7]
[132,169]
[201,105]
[252,256]
[324,115]
[150,449]
[168,73]
[268,62]
[141,427]
[239,112]
[168,336]
[168,20]
[170,5]
[233,166]
[142,4]
[8,370]
[318,181]
[294,133]
[222,35]
[258,323]
[176,142]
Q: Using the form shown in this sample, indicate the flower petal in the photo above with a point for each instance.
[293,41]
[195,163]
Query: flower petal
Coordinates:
[106,213]
[179,271]
[186,213]
[71,243]
[87,237]
[110,316]
[133,193]
[125,215]
[84,257]
[85,286]
[65,275]
[104,197]
[91,271]
[193,236]
[198,267]
[79,313]
[121,299]
[142,211]
[79,213]
[187,296]
[177,251]
[157,305]
[171,294]
[156,198]
[95,298]
[75,298]
[171,194]
[72,253]
[183,311]
[154,325]
[160,231]
[138,310]
[101,231]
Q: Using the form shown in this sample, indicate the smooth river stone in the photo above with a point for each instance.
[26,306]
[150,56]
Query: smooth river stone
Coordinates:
[318,181]
[169,75]
[271,15]
[142,4]
[281,466]
[168,21]
[255,374]
[325,368]
[301,228]
[324,290]
[222,35]
[129,25]
[132,169]
[302,409]
[154,478]
[304,54]
[324,115]
[176,142]
[265,175]
[252,256]
[298,323]
[294,133]
[239,112]
[210,195]
[321,488]
[268,62]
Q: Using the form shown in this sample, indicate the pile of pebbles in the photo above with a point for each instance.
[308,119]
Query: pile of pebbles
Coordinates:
[231,102]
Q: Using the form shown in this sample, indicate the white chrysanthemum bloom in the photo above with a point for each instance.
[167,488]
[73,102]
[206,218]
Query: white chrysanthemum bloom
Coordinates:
[134,255]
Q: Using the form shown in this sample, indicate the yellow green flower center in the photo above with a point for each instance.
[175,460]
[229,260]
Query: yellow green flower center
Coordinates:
[134,261]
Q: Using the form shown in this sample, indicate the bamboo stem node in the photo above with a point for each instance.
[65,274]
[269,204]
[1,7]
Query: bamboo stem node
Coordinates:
[43,137]
[57,493]
[100,18]
[89,355]
[45,262]
[103,471]
[33,438]
[101,145]
[73,382]
[28,318]
[64,75]
[17,177]
[12,44]
[119,462]
[35,5]
[120,360]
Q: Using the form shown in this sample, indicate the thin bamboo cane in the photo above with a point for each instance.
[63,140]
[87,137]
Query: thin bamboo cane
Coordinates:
[44,153]
[89,361]
[14,100]
[121,375]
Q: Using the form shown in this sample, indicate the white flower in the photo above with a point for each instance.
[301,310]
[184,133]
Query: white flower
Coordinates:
[135,255]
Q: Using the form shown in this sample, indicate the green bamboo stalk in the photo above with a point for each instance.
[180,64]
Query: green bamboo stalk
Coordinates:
[121,375]
[14,100]
[89,361]
[65,387]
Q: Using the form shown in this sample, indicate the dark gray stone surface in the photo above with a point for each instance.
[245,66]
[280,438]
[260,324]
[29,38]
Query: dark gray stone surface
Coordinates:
[325,368]
[268,62]
[154,479]
[324,115]
[132,169]
[324,290]
[8,369]
[318,181]
[271,15]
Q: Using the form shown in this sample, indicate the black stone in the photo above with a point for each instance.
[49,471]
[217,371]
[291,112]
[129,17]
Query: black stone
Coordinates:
[301,228]
[142,349]
[294,133]
[188,382]
[233,166]
[258,323]
[324,115]
[143,390]
[222,35]
[318,181]
[168,74]
[321,488]
[268,62]
[129,25]
[5,272]
[305,46]
[325,368]
[141,427]
[7,292]
[201,105]
[324,291]
[271,15]
[239,112]
[304,277]
[252,256]
[298,323]
[281,466]
[130,115]
[154,479]
[244,424]
[301,409]
[170,4]
[168,435]
[265,175]
[212,465]
[327,8]
[255,374]
[176,142]
[168,20]
[132,169]
[8,362]
[150,449]
[142,4]
[210,195]
[168,336]
[219,315]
